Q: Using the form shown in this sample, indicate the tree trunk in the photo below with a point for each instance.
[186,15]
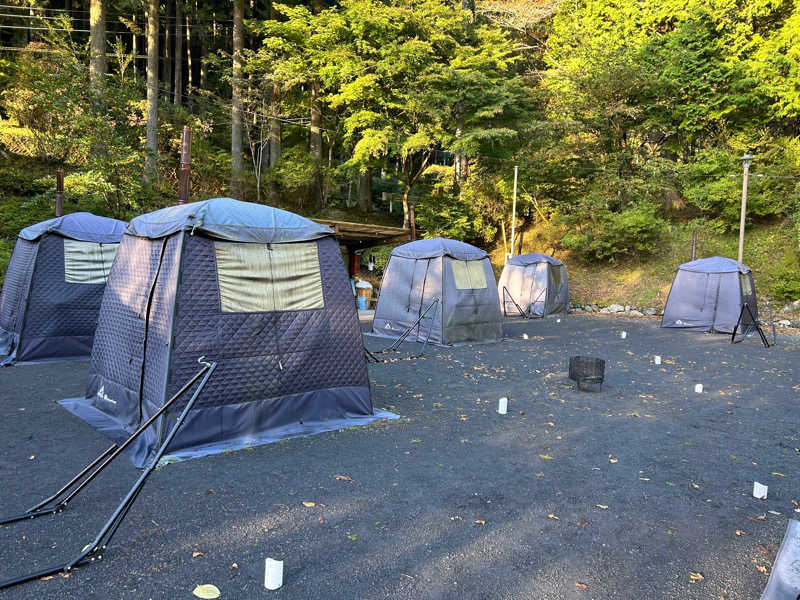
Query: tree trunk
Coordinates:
[167,74]
[178,86]
[189,52]
[152,91]
[275,127]
[97,28]
[135,47]
[236,99]
[406,212]
[203,59]
[315,144]
[365,191]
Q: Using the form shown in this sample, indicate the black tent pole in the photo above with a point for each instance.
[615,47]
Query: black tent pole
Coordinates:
[103,538]
[109,455]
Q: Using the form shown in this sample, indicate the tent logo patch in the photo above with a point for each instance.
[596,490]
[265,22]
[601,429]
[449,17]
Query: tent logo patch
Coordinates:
[102,394]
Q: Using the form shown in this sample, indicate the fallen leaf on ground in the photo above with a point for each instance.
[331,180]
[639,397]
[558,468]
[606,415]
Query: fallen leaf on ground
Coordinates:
[206,590]
[762,517]
[545,457]
[739,532]
[603,506]
[197,554]
[46,577]
[613,460]
[778,474]
[693,577]
[552,516]
[480,522]
[761,569]
[309,504]
[343,478]
[764,550]
[540,474]
[581,586]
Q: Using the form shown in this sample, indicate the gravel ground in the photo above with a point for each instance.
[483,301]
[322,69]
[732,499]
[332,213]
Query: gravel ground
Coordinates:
[619,494]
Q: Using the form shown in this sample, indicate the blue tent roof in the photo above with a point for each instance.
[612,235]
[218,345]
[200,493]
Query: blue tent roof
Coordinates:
[715,264]
[439,247]
[532,258]
[229,219]
[82,226]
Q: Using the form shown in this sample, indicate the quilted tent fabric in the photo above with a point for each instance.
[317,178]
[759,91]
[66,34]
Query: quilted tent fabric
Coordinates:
[81,226]
[420,292]
[708,295]
[435,247]
[534,283]
[15,292]
[715,264]
[279,374]
[44,315]
[229,219]
[524,260]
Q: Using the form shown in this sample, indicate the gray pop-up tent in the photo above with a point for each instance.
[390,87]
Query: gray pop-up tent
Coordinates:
[261,291]
[535,284]
[53,287]
[449,284]
[708,295]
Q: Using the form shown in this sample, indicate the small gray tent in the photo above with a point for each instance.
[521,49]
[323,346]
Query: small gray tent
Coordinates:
[452,281]
[708,295]
[535,283]
[53,287]
[261,291]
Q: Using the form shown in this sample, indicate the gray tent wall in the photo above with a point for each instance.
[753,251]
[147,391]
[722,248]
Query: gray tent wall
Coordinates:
[53,287]
[708,295]
[420,272]
[280,373]
[537,283]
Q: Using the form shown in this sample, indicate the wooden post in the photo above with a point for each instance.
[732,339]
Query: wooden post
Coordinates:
[60,192]
[743,216]
[412,221]
[186,156]
[694,244]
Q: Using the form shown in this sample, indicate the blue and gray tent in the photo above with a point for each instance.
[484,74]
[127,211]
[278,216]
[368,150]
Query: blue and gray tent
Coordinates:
[708,295]
[443,289]
[53,287]
[261,291]
[533,285]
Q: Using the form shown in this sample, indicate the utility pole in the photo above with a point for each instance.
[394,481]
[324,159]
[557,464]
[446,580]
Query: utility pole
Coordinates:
[514,212]
[186,153]
[60,192]
[745,176]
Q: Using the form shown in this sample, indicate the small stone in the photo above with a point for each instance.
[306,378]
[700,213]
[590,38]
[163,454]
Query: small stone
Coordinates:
[636,313]
[615,308]
[649,311]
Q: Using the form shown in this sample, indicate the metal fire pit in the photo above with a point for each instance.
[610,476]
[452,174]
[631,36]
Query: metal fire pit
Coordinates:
[588,372]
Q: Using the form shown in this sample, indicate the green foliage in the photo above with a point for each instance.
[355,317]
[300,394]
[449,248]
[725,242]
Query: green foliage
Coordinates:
[786,279]
[611,235]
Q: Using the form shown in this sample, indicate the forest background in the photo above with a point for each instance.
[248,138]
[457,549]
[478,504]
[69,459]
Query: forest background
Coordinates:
[627,120]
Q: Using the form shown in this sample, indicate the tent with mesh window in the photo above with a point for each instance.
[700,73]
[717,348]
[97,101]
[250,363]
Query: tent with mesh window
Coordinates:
[443,290]
[261,291]
[708,295]
[533,285]
[53,287]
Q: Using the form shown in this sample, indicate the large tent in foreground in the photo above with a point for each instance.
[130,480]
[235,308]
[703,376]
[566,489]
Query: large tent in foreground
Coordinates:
[708,295]
[535,284]
[53,287]
[444,289]
[261,291]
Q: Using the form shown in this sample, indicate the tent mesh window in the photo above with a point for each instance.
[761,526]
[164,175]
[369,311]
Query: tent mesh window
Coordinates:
[747,288]
[87,262]
[268,277]
[468,274]
[555,274]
